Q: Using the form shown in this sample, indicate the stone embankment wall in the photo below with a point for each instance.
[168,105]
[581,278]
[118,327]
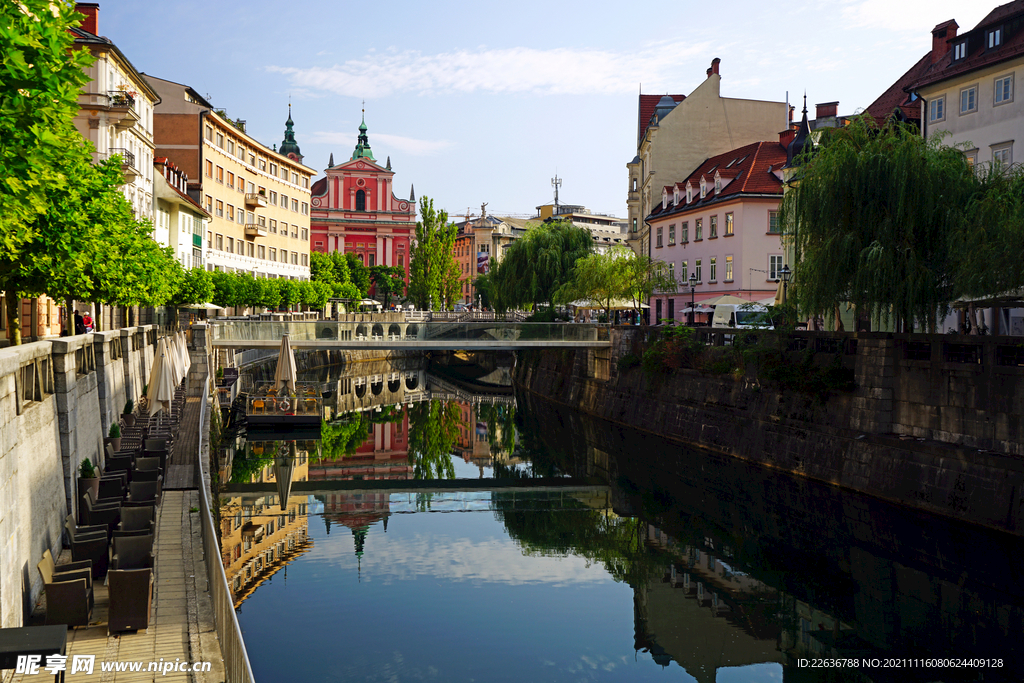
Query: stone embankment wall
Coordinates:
[58,399]
[934,422]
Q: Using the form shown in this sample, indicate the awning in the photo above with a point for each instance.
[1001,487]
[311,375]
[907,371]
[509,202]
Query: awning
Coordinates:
[616,304]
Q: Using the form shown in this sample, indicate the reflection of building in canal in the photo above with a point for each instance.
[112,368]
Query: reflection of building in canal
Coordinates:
[259,535]
[703,614]
[479,443]
[358,511]
[383,455]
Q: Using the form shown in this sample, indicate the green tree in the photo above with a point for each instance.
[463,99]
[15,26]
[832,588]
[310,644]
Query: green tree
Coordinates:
[321,267]
[42,77]
[388,281]
[536,266]
[433,431]
[195,287]
[641,277]
[596,278]
[433,271]
[227,289]
[359,275]
[872,220]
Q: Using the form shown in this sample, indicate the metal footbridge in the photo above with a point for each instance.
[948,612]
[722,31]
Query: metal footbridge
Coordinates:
[409,335]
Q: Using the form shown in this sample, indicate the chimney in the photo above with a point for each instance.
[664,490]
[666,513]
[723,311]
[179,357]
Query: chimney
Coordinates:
[714,65]
[941,35]
[786,137]
[709,72]
[826,109]
[91,11]
[791,110]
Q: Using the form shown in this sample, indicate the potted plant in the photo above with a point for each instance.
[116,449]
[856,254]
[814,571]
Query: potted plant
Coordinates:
[87,479]
[115,436]
[128,414]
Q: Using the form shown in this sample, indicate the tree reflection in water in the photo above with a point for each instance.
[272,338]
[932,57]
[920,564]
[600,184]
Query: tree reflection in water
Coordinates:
[433,430]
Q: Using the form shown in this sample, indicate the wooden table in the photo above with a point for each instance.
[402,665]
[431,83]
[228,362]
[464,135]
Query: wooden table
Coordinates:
[32,640]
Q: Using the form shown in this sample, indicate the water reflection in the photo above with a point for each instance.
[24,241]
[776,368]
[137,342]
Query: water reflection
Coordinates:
[560,537]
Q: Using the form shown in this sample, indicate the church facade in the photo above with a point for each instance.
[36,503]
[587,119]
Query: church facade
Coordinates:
[355,211]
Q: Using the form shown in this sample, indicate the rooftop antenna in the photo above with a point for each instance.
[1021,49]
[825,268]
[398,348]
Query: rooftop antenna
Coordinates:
[556,182]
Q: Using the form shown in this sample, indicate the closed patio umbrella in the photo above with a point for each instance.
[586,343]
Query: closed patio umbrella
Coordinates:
[177,372]
[161,388]
[286,372]
[284,470]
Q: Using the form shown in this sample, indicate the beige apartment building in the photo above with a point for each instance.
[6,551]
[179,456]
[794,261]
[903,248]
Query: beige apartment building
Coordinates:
[675,134]
[258,198]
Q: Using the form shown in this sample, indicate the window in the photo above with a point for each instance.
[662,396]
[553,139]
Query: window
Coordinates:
[969,100]
[972,159]
[1002,156]
[305,235]
[209,134]
[209,204]
[220,209]
[372,260]
[683,275]
[634,184]
[273,254]
[774,267]
[773,222]
[634,225]
[231,213]
[250,249]
[295,204]
[220,140]
[713,262]
[728,224]
[231,147]
[1004,89]
[209,239]
[684,232]
[218,242]
[305,182]
[728,268]
[273,226]
[240,153]
[241,184]
[295,178]
[658,244]
[209,168]
[689,193]
[960,50]
[231,180]
[305,259]
[219,176]
[263,164]
[231,244]
[360,201]
[284,201]
[937,109]
[718,184]
[273,168]
[401,260]
[698,230]
[284,173]
[273,198]
[672,271]
[295,258]
[252,159]
[696,270]
[672,235]
[261,252]
[703,188]
[284,256]
[241,216]
[995,38]
[713,228]
[305,209]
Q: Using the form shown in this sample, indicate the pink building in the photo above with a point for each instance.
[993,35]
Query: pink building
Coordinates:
[720,225]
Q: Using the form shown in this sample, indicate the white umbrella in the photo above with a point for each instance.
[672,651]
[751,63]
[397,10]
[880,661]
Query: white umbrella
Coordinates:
[177,372]
[186,362]
[161,388]
[286,372]
[284,470]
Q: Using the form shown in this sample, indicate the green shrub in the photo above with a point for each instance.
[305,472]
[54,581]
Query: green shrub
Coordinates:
[86,470]
[129,407]
[115,431]
[629,361]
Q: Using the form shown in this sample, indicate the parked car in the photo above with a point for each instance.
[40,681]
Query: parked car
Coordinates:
[742,316]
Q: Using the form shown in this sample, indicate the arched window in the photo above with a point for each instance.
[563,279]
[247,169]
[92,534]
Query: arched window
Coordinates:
[360,201]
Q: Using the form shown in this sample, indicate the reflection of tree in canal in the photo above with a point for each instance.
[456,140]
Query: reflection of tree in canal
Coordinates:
[341,437]
[433,431]
[501,431]
[250,460]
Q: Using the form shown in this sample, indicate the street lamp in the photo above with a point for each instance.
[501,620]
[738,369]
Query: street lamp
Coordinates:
[785,283]
[693,289]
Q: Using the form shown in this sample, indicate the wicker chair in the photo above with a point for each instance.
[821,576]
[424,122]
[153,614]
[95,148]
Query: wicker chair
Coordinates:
[131,597]
[69,597]
[89,543]
[132,552]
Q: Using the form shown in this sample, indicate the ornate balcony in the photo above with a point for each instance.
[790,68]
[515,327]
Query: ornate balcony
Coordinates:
[255,230]
[122,108]
[255,200]
[128,167]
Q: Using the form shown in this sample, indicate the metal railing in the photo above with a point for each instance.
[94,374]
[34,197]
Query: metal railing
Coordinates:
[119,98]
[237,668]
[127,156]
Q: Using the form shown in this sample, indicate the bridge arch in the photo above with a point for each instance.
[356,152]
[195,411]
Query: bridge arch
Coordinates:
[394,331]
[411,381]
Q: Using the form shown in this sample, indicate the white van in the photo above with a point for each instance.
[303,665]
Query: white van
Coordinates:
[742,316]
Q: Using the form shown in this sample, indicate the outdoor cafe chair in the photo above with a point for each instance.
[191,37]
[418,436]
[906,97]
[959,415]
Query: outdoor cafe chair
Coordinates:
[146,492]
[137,518]
[131,599]
[132,552]
[69,596]
[92,515]
[88,543]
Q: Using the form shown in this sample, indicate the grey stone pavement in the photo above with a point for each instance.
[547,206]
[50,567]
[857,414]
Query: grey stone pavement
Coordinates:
[181,625]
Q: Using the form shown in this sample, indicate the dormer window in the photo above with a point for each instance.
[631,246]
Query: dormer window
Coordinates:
[703,188]
[960,50]
[689,193]
[994,38]
[664,200]
[675,197]
[718,183]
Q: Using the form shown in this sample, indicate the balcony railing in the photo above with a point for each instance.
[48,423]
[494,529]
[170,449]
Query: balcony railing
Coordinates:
[122,106]
[255,230]
[127,163]
[255,199]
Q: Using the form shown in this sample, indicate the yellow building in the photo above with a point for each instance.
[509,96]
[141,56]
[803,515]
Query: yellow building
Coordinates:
[258,197]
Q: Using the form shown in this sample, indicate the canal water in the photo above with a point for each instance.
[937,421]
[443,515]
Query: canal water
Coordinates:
[441,529]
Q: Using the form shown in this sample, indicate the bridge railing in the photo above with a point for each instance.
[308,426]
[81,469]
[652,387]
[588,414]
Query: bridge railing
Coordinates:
[478,331]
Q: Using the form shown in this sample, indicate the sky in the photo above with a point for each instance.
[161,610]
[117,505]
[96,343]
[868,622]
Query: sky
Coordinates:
[483,101]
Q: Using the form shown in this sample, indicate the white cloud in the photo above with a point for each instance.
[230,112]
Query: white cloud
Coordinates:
[561,71]
[918,16]
[408,145]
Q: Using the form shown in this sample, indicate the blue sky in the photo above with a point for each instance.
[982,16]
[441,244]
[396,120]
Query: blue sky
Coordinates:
[485,102]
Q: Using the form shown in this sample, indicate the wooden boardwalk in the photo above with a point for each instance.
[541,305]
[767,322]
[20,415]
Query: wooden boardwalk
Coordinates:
[183,465]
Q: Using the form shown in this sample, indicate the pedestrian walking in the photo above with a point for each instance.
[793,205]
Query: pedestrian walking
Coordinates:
[79,323]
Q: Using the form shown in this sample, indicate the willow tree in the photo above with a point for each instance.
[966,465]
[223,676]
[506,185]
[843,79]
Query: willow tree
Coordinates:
[872,216]
[540,263]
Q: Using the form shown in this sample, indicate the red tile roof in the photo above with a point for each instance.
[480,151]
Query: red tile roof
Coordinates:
[1010,17]
[751,168]
[646,111]
[896,95]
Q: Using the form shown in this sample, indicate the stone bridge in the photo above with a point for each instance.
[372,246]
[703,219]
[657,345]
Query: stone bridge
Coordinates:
[409,335]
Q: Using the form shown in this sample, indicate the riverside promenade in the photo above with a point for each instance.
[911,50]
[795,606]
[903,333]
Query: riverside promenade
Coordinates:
[181,626]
